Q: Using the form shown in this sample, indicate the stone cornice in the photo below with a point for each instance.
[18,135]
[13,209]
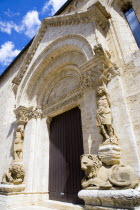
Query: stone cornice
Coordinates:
[95,13]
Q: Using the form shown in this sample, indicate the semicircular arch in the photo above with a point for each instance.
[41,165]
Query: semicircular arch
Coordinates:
[59,58]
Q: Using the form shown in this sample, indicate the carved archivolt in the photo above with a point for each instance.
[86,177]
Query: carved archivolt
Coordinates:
[77,45]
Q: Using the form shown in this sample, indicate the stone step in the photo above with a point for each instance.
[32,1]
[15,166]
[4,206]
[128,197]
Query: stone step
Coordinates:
[60,205]
[32,208]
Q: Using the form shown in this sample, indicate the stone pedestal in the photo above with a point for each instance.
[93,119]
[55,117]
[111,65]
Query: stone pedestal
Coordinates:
[13,179]
[7,188]
[109,154]
[111,199]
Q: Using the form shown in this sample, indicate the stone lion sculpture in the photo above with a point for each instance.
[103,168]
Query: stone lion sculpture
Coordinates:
[15,175]
[99,176]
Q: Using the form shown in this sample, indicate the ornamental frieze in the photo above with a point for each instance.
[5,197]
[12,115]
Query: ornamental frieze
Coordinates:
[62,104]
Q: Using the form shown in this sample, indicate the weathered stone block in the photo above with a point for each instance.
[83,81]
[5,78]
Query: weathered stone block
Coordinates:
[110,154]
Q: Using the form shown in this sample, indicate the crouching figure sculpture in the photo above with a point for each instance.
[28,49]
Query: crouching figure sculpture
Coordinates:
[100,176]
[14,175]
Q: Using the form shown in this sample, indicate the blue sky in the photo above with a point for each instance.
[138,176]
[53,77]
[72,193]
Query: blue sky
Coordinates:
[19,22]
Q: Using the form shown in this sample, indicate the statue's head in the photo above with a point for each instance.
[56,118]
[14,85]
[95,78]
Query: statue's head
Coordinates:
[90,163]
[100,90]
[20,128]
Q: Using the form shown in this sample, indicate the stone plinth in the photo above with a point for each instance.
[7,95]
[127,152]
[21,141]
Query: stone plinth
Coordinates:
[111,199]
[12,201]
[109,154]
[11,188]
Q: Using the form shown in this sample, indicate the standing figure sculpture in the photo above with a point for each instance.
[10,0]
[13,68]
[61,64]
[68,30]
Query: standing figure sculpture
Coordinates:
[18,144]
[104,118]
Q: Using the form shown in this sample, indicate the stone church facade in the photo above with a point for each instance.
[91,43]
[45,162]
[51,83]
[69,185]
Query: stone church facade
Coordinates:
[88,44]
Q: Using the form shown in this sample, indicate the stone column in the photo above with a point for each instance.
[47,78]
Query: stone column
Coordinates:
[36,149]
[88,113]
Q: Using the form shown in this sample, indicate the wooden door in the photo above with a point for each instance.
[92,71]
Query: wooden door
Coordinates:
[66,147]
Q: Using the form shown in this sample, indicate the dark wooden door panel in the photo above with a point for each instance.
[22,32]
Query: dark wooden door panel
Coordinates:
[66,146]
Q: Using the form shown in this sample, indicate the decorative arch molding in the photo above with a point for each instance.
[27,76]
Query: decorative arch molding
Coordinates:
[71,42]
[44,74]
[77,40]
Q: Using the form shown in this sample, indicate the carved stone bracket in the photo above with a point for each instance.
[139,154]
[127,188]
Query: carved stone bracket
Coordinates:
[108,74]
[22,115]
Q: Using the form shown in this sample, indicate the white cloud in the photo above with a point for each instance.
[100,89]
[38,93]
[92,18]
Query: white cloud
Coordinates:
[55,4]
[7,27]
[7,53]
[31,23]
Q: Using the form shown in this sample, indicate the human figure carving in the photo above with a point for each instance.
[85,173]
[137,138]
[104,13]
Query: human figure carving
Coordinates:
[18,144]
[104,117]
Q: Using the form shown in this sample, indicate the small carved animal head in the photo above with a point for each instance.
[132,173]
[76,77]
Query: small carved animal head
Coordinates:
[90,163]
[101,91]
[17,171]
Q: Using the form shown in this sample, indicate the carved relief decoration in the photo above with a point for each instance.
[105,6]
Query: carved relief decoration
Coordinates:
[36,112]
[67,84]
[61,104]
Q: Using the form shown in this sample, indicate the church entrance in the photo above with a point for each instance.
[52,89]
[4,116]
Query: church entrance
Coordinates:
[66,147]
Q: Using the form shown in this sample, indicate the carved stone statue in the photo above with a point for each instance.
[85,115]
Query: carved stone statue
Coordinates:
[99,176]
[18,144]
[15,175]
[104,118]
